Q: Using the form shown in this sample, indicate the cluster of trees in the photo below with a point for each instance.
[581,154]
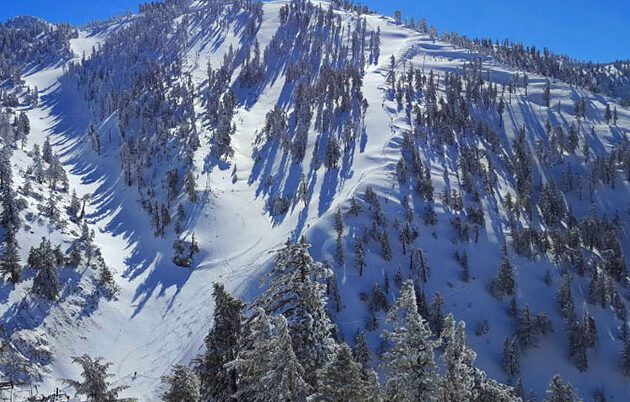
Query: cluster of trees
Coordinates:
[610,79]
[220,100]
[44,259]
[325,63]
[284,347]
[185,251]
[137,73]
[25,41]
[10,267]
[457,113]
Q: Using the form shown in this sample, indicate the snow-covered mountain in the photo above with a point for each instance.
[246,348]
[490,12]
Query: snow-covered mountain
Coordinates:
[185,145]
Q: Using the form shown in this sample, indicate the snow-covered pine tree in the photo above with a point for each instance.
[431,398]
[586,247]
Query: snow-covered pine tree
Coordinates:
[266,367]
[47,153]
[342,379]
[333,153]
[546,95]
[607,114]
[559,391]
[44,261]
[410,360]
[296,291]
[458,381]
[625,357]
[10,261]
[339,253]
[222,342]
[94,384]
[462,381]
[190,184]
[504,284]
[511,358]
[359,255]
[361,350]
[182,385]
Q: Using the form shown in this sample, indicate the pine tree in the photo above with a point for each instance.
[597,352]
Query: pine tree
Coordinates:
[10,217]
[190,184]
[511,357]
[296,291]
[182,385]
[565,297]
[607,114]
[625,358]
[436,318]
[217,383]
[386,248]
[546,96]
[342,379]
[361,350]
[505,283]
[458,381]
[46,282]
[339,254]
[359,255]
[74,207]
[10,261]
[47,154]
[94,384]
[266,366]
[559,391]
[410,360]
[462,381]
[333,153]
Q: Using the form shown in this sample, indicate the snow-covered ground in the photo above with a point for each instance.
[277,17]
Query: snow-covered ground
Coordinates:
[163,311]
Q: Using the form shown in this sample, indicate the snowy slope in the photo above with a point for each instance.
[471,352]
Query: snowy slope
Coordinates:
[163,311]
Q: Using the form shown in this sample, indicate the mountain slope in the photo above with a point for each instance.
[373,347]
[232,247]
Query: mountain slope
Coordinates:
[270,184]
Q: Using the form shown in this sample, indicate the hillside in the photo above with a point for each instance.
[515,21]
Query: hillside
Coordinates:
[234,127]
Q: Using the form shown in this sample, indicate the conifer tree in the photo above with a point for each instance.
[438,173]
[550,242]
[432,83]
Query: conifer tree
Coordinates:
[505,283]
[94,384]
[46,282]
[410,360]
[361,350]
[266,366]
[10,261]
[607,114]
[559,391]
[359,255]
[218,383]
[547,93]
[183,385]
[190,184]
[296,291]
[462,381]
[342,379]
[625,358]
[510,358]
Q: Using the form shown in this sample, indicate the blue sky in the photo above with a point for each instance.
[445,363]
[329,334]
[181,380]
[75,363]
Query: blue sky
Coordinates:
[597,30]
[583,29]
[73,11]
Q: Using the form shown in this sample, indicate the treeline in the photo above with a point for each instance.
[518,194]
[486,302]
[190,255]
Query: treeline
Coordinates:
[612,79]
[25,41]
[283,346]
